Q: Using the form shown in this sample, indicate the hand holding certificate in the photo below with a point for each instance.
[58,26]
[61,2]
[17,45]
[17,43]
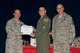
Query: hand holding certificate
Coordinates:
[27,30]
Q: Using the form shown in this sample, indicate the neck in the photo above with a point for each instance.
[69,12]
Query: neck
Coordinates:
[17,19]
[43,15]
[61,14]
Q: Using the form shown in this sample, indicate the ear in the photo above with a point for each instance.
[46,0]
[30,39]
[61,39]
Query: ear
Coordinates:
[56,9]
[63,8]
[13,13]
[45,11]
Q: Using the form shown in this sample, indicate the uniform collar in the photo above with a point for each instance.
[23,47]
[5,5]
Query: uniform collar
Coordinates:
[15,20]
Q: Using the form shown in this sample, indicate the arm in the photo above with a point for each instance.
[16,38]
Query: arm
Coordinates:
[53,28]
[71,30]
[39,28]
[11,29]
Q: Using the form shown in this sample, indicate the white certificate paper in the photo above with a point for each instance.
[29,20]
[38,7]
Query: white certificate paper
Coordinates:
[25,29]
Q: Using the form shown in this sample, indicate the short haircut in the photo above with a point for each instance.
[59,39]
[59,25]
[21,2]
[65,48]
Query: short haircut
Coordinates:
[16,9]
[42,6]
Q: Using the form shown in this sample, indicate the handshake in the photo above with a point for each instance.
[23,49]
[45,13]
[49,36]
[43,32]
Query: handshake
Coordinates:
[33,35]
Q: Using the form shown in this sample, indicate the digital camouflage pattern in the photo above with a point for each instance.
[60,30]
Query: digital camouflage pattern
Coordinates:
[63,33]
[14,40]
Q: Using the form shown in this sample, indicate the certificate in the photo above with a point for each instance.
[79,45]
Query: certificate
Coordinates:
[25,29]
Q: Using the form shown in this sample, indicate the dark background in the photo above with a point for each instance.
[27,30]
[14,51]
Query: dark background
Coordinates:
[29,9]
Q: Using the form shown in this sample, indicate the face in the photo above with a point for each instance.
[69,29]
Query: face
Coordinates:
[17,13]
[42,11]
[60,8]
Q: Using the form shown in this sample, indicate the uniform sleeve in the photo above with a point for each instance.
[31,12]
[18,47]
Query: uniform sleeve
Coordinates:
[53,28]
[10,29]
[48,25]
[22,23]
[71,29]
[39,28]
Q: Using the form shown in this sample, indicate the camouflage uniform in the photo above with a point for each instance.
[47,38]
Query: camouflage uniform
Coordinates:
[14,40]
[63,33]
[76,42]
[42,34]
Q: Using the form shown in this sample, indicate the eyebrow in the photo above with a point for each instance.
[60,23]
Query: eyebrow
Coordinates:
[59,8]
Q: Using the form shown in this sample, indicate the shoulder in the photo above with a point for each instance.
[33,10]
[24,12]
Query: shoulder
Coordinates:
[55,17]
[10,21]
[47,18]
[22,23]
[69,18]
[67,15]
